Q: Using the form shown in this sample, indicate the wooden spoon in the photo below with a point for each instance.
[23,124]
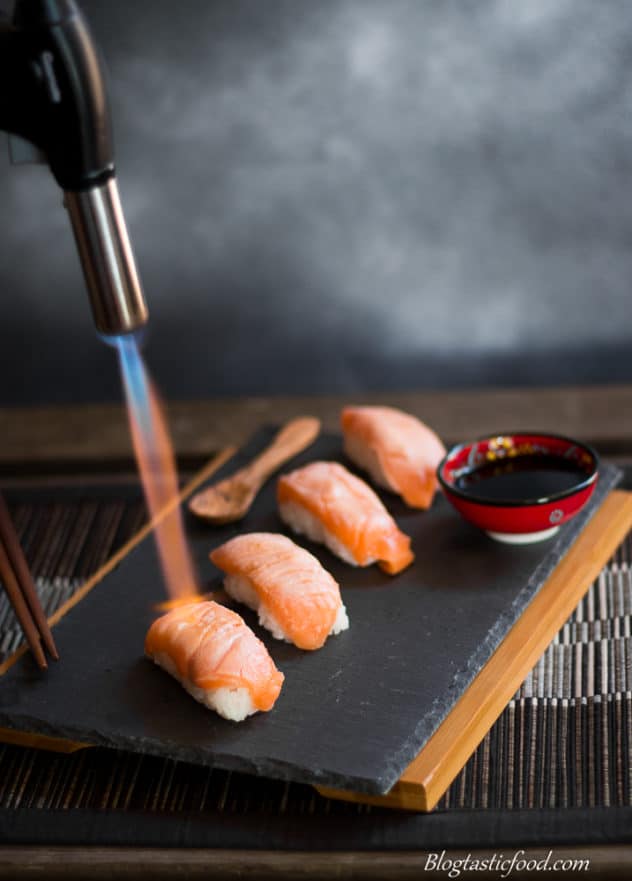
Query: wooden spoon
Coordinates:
[231,499]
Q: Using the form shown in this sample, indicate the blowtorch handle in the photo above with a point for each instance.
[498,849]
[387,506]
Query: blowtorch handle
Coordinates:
[53,93]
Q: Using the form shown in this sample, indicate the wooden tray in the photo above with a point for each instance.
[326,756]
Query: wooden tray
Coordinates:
[428,776]
[460,730]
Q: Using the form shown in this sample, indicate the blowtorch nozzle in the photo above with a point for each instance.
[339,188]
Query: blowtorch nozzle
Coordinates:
[106,255]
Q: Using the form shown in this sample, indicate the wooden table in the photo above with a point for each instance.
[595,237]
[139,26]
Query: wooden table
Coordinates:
[67,442]
[64,437]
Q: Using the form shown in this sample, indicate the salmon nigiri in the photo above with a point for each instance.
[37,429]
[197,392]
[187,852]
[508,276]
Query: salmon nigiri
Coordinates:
[295,597]
[216,657]
[398,450]
[330,505]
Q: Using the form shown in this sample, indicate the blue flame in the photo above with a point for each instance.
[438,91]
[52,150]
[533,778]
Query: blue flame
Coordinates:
[152,445]
[136,384]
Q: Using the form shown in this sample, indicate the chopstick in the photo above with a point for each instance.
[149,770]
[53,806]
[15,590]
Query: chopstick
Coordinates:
[18,583]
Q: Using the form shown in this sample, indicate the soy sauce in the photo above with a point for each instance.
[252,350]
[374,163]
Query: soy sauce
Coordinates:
[521,478]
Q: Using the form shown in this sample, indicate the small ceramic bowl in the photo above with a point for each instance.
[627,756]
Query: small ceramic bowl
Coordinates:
[519,487]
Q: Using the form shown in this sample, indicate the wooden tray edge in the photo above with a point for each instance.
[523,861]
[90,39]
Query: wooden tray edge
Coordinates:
[428,776]
[40,741]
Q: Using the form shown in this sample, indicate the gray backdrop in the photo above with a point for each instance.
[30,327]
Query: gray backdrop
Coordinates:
[345,195]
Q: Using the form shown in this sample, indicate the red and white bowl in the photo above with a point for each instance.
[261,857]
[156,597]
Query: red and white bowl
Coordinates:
[523,519]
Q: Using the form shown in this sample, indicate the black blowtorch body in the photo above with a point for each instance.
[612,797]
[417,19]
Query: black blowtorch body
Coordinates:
[53,103]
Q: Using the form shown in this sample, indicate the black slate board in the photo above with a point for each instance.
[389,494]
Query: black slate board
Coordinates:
[352,715]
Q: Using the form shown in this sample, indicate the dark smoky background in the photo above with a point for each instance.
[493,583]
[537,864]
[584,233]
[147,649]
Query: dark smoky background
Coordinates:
[345,195]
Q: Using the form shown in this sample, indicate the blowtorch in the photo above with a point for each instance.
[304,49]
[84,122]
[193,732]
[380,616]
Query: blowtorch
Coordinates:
[53,103]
